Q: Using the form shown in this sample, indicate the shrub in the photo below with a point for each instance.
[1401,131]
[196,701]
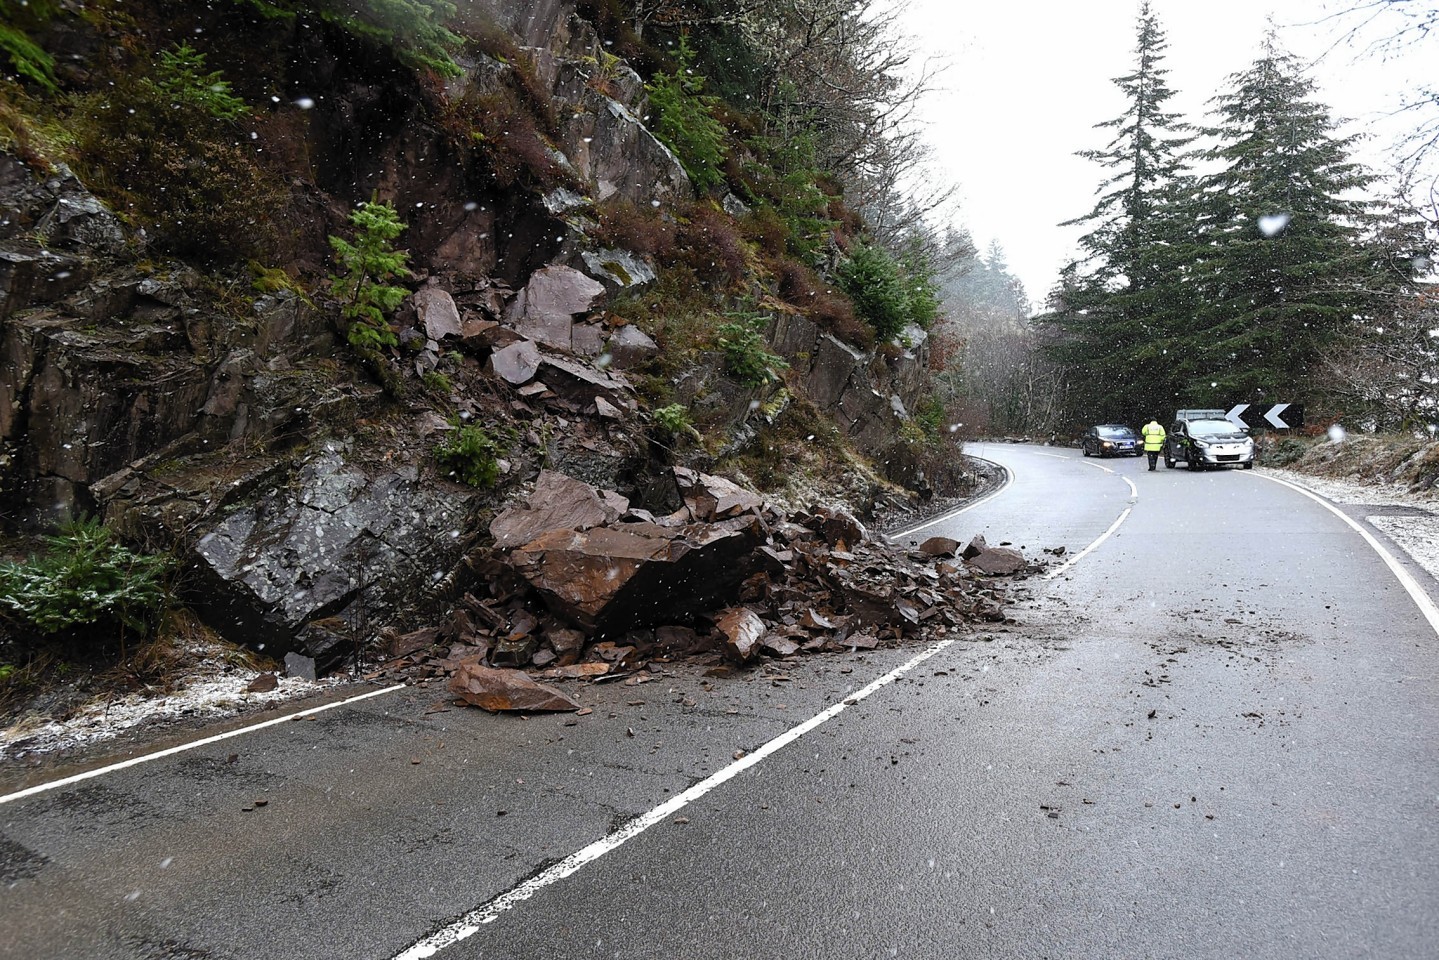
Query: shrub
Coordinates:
[414,29]
[929,415]
[746,359]
[27,59]
[369,264]
[1285,451]
[438,383]
[506,136]
[712,245]
[163,148]
[685,122]
[764,227]
[468,454]
[180,78]
[674,419]
[871,277]
[628,227]
[801,287]
[85,577]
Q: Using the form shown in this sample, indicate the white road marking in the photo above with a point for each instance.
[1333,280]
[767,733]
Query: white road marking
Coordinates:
[171,751]
[1416,592]
[1133,497]
[1008,479]
[1091,548]
[470,924]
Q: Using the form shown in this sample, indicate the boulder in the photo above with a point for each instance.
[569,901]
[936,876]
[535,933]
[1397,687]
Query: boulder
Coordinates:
[998,561]
[837,526]
[438,316]
[635,575]
[629,346]
[335,542]
[545,309]
[618,269]
[714,498]
[939,547]
[558,502]
[977,545]
[517,363]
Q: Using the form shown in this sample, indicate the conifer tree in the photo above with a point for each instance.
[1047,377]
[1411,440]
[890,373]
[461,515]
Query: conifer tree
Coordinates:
[1120,300]
[1283,265]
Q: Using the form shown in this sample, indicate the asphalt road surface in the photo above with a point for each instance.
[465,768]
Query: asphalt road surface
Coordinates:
[1210,733]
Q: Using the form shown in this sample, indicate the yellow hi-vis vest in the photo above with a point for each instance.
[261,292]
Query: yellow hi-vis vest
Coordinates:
[1153,436]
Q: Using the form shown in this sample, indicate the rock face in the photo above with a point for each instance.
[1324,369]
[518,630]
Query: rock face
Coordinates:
[871,395]
[341,545]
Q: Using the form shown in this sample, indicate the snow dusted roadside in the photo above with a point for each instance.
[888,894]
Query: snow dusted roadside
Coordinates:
[1414,527]
[102,720]
[211,687]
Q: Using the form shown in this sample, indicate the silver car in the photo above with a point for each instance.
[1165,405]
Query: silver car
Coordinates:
[1208,443]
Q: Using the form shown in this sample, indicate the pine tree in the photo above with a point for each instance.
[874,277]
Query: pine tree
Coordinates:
[1283,265]
[1120,300]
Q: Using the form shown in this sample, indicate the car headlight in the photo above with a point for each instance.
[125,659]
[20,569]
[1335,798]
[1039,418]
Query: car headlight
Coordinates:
[1106,444]
[1202,444]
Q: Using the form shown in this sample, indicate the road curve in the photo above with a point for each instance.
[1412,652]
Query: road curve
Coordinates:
[1211,737]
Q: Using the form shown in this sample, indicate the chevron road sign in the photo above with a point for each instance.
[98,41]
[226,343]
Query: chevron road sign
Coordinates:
[1278,416]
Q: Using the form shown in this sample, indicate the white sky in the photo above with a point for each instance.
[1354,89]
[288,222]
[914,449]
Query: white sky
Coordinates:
[1028,79]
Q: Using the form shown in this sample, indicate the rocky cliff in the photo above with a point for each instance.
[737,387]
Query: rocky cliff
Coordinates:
[217,410]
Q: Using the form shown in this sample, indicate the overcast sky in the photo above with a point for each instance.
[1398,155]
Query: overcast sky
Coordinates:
[1028,80]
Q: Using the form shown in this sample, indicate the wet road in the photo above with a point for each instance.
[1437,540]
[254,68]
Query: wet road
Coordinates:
[1214,735]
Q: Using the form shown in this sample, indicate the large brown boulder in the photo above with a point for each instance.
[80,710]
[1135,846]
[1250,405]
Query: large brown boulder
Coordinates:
[635,575]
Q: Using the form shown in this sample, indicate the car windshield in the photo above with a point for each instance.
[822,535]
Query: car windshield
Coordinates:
[1216,430]
[1115,433]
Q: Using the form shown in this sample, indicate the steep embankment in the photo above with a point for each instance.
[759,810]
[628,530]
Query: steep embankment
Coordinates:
[325,456]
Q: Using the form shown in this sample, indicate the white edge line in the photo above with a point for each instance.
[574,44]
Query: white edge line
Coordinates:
[1133,496]
[1008,479]
[171,751]
[1091,548]
[1416,593]
[487,912]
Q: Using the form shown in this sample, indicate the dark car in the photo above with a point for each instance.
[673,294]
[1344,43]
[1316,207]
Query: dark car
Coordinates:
[1201,444]
[1110,440]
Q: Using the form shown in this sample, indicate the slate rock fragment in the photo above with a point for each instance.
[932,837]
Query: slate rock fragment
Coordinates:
[506,690]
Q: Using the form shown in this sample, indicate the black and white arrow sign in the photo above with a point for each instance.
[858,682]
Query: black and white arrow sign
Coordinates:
[1278,416]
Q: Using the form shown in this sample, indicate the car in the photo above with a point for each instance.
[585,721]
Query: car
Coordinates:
[1110,440]
[1208,442]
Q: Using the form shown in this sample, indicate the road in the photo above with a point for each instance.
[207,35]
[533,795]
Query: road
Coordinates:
[1210,732]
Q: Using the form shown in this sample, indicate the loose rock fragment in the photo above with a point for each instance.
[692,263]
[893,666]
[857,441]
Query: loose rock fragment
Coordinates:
[506,690]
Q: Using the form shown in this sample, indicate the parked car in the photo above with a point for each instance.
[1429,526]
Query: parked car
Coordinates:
[1205,443]
[1110,440]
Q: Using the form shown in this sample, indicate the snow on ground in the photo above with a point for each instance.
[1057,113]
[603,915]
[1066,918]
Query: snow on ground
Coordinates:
[1417,535]
[101,720]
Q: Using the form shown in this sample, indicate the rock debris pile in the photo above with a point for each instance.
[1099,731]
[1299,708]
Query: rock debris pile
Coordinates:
[581,585]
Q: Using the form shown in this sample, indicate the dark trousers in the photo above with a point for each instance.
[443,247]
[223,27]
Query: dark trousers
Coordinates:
[1153,456]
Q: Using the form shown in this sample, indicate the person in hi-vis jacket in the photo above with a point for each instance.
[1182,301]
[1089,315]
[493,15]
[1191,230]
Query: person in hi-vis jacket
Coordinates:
[1153,435]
